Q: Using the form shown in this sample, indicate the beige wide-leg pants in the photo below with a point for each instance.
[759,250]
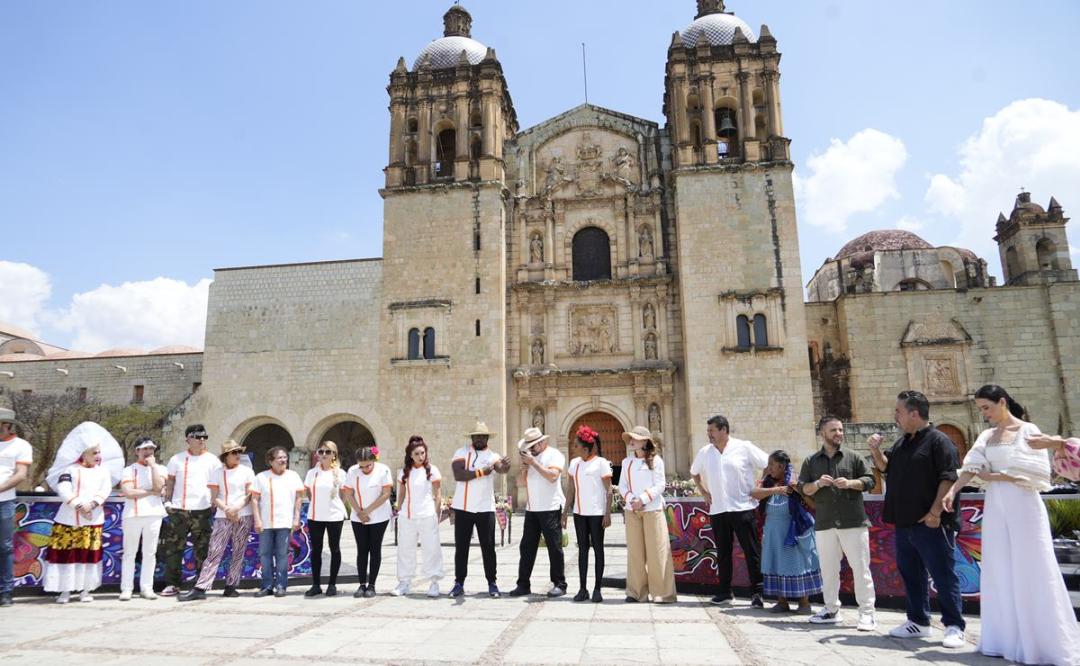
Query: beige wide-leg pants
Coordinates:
[649,568]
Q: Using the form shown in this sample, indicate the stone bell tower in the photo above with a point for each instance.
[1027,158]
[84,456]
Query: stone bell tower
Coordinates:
[738,253]
[1033,244]
[442,327]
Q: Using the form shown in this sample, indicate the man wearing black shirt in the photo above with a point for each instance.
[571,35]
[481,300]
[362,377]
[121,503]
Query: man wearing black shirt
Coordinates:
[919,469]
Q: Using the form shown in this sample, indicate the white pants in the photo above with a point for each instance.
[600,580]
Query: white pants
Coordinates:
[854,543]
[149,529]
[427,529]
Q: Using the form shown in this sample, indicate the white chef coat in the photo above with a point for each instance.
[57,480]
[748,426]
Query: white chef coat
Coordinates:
[277,495]
[638,481]
[191,491]
[590,490]
[324,494]
[13,452]
[477,495]
[541,494]
[419,499]
[366,488]
[138,476]
[233,486]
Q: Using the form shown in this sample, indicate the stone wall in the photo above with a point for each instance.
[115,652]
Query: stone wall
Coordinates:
[167,379]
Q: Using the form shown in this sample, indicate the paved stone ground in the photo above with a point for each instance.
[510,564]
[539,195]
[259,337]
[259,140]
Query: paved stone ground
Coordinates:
[470,630]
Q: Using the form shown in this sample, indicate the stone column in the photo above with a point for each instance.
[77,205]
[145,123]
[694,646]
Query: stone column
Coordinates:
[746,111]
[682,123]
[772,91]
[461,136]
[708,119]
[397,124]
[423,157]
[489,125]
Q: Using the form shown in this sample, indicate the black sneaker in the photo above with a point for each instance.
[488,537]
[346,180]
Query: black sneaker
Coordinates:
[263,592]
[556,591]
[194,594]
[313,591]
[359,594]
[582,595]
[757,602]
[279,592]
[630,600]
[596,596]
[520,591]
[331,590]
[369,592]
[721,600]
[457,590]
[230,592]
[493,591]
[6,599]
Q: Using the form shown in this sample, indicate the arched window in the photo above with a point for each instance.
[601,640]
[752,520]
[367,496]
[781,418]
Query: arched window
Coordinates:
[414,343]
[475,118]
[727,131]
[410,152]
[761,331]
[429,343]
[592,255]
[445,153]
[412,125]
[475,148]
[1046,252]
[742,331]
[913,284]
[1012,263]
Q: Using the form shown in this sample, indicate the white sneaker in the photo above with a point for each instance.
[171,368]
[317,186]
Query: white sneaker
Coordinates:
[433,589]
[148,594]
[85,596]
[401,590]
[823,616]
[170,591]
[911,630]
[125,596]
[954,638]
[63,598]
[867,622]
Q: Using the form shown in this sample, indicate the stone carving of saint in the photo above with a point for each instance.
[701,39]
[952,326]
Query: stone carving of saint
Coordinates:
[538,352]
[649,317]
[536,249]
[654,418]
[604,336]
[538,418]
[645,242]
[650,347]
[555,176]
[624,168]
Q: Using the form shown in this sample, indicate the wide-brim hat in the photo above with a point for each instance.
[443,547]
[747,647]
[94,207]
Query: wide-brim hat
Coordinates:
[480,429]
[148,443]
[232,446]
[531,437]
[8,416]
[640,433]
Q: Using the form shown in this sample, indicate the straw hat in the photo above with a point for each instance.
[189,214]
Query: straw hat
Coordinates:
[530,437]
[230,446]
[640,433]
[8,416]
[480,429]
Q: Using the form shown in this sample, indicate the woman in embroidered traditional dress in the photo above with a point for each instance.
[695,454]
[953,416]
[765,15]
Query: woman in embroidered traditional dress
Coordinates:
[1026,612]
[73,559]
[789,557]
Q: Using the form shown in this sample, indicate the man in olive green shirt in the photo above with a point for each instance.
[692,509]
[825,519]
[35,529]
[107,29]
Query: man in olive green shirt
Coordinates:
[836,480]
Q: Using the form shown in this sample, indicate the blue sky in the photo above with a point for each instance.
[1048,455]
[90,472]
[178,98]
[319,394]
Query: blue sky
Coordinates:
[147,143]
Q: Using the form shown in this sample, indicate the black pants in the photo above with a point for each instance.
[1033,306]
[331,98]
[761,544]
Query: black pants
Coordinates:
[549,524]
[590,534]
[741,525]
[464,521]
[317,528]
[369,538]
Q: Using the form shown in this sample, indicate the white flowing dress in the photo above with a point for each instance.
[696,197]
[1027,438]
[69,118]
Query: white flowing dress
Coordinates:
[1027,615]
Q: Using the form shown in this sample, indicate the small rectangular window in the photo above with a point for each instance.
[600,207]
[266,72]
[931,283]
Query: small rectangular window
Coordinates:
[478,284]
[28,391]
[82,394]
[137,393]
[477,328]
[195,386]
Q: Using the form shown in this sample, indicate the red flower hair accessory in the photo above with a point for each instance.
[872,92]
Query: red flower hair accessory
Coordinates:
[586,434]
[375,452]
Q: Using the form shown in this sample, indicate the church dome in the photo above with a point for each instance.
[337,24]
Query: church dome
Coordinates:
[445,52]
[883,239]
[715,30]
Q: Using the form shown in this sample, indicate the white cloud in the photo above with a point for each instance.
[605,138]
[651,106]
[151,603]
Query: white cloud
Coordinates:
[910,223]
[850,177]
[24,292]
[1031,143]
[147,314]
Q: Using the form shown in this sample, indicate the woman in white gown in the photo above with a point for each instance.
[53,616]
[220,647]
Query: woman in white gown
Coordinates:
[1027,615]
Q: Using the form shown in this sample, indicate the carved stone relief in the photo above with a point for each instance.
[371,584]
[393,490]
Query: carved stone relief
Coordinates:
[536,248]
[650,347]
[654,418]
[538,352]
[538,418]
[625,171]
[648,317]
[593,330]
[940,376]
[645,242]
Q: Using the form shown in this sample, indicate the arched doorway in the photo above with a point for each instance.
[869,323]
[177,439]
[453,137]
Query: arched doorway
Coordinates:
[262,439]
[349,436]
[610,431]
[957,438]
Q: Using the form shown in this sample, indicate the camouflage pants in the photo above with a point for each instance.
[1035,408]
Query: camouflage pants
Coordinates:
[174,539]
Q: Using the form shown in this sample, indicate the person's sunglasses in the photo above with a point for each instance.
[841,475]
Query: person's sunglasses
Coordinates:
[324,452]
[202,437]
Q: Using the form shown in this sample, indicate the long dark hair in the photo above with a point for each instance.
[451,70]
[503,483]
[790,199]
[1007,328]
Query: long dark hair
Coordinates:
[780,456]
[649,448]
[415,442]
[995,393]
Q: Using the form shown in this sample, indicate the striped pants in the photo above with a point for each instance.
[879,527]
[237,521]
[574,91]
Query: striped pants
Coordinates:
[226,532]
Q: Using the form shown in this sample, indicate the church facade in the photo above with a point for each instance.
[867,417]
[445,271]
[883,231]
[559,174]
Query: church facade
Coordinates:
[605,269]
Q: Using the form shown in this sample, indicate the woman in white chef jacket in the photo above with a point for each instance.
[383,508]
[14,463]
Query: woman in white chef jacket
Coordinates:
[419,509]
[367,490]
[326,516]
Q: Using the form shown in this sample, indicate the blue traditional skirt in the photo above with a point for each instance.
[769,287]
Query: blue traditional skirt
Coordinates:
[789,571]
